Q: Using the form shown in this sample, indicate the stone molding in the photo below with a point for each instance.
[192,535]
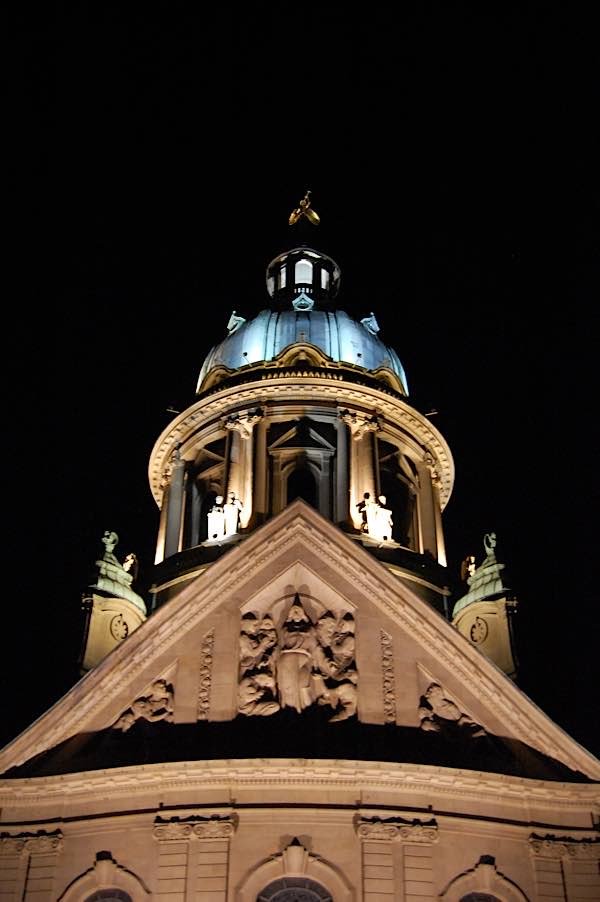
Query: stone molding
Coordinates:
[31,843]
[401,779]
[106,873]
[295,387]
[388,678]
[391,829]
[195,826]
[551,846]
[206,659]
[484,877]
[298,525]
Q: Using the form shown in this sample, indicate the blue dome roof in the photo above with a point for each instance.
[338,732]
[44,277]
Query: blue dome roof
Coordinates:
[300,279]
[335,333]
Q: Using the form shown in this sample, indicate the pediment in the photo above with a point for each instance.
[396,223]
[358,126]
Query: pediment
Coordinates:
[410,668]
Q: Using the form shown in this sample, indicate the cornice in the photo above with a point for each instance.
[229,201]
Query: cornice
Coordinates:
[124,784]
[299,530]
[295,387]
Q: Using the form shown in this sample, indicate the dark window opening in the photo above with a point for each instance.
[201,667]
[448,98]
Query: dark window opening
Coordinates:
[301,484]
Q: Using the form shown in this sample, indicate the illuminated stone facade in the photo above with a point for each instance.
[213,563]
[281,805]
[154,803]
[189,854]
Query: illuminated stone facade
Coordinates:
[298,719]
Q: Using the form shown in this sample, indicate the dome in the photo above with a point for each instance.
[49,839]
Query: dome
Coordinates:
[301,282]
[340,337]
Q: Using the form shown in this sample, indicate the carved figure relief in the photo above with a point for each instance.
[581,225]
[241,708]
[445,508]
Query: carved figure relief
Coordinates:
[156,705]
[438,712]
[298,664]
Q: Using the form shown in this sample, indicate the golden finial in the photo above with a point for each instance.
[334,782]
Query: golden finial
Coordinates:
[304,209]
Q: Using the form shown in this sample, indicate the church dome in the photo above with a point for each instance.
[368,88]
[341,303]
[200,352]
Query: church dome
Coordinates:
[298,281]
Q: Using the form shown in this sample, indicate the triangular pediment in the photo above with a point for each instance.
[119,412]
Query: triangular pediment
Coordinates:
[409,667]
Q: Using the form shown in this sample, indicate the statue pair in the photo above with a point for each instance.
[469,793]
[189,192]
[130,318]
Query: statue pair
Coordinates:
[223,519]
[376,517]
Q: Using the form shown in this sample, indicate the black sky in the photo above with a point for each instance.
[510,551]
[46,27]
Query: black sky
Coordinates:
[452,156]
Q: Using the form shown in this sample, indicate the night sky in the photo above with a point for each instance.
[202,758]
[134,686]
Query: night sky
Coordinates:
[451,153]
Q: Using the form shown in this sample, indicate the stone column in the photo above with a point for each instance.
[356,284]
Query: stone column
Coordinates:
[342,475]
[172,881]
[28,866]
[211,859]
[417,841]
[379,877]
[362,469]
[174,504]
[240,469]
[13,868]
[427,514]
[261,466]
[397,859]
[565,868]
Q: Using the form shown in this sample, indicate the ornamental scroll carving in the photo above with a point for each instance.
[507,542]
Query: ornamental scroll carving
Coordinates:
[389,682]
[157,704]
[298,663]
[194,826]
[390,829]
[551,846]
[439,713]
[206,659]
[243,423]
[359,423]
[30,843]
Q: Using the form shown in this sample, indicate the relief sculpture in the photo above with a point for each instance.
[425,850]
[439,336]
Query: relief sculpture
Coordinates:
[298,664]
[438,713]
[157,704]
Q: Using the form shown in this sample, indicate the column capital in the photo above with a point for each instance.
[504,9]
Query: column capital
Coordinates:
[360,423]
[396,828]
[243,423]
[551,846]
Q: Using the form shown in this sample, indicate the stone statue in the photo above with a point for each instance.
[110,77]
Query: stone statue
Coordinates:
[258,641]
[437,711]
[376,517]
[232,510]
[216,519]
[363,508]
[257,695]
[489,543]
[110,540]
[130,565]
[303,663]
[370,324]
[295,662]
[158,705]
[234,323]
[334,660]
[383,520]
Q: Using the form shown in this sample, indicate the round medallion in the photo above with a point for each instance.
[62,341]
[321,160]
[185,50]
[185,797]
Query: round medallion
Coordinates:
[479,630]
[118,628]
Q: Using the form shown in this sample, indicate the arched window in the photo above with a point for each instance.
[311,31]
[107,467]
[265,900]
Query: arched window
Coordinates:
[109,895]
[301,484]
[294,889]
[303,272]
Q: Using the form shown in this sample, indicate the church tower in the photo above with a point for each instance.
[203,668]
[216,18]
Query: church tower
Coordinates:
[302,716]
